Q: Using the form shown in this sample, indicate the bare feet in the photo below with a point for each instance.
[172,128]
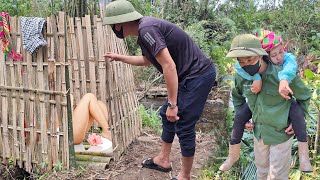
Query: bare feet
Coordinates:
[106,134]
[161,162]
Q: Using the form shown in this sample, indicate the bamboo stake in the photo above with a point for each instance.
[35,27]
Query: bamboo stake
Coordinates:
[42,108]
[93,158]
[5,133]
[68,129]
[58,55]
[101,61]
[15,145]
[75,61]
[81,57]
[68,54]
[96,55]
[55,85]
[21,107]
[2,149]
[51,82]
[64,118]
[91,58]
[102,154]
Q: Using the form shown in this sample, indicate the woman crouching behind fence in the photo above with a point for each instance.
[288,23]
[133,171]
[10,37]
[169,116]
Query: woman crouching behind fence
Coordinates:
[88,110]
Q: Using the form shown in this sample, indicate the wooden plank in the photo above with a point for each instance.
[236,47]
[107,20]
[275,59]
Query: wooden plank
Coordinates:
[64,118]
[51,78]
[15,144]
[59,44]
[4,101]
[81,57]
[96,55]
[53,85]
[101,61]
[102,7]
[42,108]
[92,158]
[91,58]
[2,149]
[30,122]
[21,105]
[69,56]
[75,62]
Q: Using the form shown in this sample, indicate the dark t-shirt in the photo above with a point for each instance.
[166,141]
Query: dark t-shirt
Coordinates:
[156,34]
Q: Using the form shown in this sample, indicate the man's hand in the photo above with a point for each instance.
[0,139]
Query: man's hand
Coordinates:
[172,114]
[289,130]
[249,126]
[112,56]
[284,89]
[256,86]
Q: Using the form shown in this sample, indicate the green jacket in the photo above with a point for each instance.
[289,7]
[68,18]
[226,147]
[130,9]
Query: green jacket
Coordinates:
[269,110]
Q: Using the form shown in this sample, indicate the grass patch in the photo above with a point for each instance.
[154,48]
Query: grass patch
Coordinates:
[151,119]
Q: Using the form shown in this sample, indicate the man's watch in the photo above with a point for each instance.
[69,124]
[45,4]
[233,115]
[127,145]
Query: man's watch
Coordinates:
[171,105]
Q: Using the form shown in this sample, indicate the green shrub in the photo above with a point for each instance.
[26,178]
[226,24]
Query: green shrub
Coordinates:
[151,119]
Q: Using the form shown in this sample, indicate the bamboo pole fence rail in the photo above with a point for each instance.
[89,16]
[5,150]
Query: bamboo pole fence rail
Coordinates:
[33,92]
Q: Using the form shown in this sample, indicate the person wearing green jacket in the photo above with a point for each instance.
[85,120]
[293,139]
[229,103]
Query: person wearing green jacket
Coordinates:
[270,112]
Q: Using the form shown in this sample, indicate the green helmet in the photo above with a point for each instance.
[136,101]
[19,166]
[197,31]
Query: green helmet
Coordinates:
[119,12]
[246,45]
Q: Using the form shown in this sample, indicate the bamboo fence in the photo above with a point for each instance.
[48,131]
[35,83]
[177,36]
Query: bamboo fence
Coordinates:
[34,117]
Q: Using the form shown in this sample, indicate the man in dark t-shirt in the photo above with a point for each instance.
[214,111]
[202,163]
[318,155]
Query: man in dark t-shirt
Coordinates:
[188,73]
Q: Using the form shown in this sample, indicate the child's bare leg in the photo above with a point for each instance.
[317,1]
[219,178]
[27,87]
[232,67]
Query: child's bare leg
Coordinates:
[105,131]
[87,106]
[89,123]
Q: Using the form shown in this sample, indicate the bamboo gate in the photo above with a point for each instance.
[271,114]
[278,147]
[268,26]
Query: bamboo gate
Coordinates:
[34,116]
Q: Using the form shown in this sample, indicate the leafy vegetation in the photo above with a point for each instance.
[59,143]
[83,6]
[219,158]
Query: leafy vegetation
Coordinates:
[151,119]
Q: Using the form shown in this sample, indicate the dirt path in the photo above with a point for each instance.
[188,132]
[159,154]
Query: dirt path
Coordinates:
[129,166]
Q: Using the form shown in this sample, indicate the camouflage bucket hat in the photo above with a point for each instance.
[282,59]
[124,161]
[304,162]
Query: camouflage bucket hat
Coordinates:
[119,12]
[246,45]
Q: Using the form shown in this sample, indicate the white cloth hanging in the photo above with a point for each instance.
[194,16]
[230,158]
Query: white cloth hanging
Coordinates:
[31,32]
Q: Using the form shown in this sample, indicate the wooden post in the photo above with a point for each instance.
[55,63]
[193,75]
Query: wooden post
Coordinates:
[68,129]
[102,7]
[81,57]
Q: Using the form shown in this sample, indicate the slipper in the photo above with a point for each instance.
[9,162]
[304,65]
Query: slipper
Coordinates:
[148,163]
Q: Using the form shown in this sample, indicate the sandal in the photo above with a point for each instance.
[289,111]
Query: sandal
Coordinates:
[148,163]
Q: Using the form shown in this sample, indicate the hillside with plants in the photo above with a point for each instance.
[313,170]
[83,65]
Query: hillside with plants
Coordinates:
[212,24]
